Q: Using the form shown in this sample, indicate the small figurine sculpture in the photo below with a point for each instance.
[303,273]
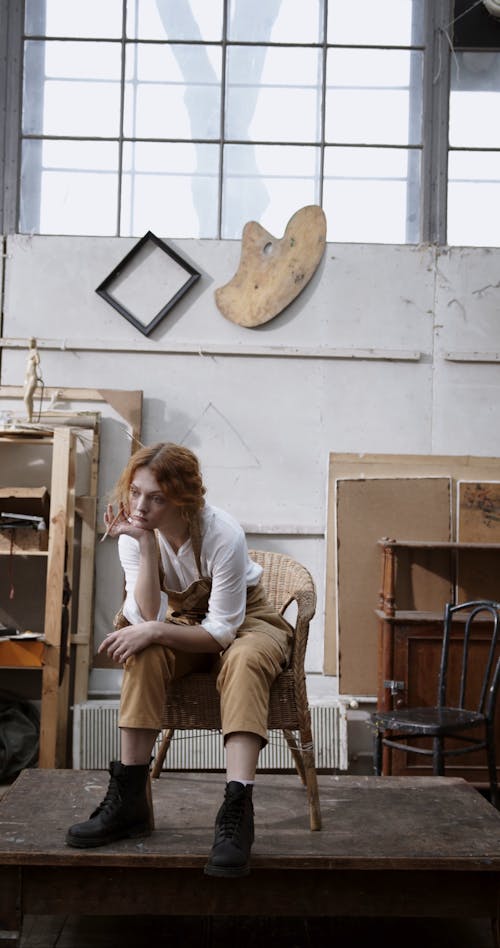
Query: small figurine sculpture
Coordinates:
[32,378]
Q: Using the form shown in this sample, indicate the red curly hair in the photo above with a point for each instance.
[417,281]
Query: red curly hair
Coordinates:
[177,471]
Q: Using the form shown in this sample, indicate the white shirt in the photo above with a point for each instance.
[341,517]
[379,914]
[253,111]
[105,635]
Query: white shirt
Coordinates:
[224,559]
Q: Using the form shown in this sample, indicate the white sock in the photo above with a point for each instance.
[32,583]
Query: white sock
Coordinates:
[246,783]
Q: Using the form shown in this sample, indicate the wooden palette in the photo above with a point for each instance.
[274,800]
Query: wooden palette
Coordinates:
[272,272]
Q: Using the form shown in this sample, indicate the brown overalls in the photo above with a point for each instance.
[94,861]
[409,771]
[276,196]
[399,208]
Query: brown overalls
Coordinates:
[246,669]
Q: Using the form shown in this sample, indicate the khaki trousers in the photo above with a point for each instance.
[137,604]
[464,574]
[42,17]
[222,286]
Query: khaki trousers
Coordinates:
[245,673]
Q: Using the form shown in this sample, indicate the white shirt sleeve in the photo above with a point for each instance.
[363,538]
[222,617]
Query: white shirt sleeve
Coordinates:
[227,604]
[128,551]
[224,559]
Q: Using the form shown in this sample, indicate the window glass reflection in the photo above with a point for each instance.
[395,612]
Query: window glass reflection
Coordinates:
[74,189]
[273,94]
[66,18]
[170,189]
[71,88]
[172,92]
[277,21]
[175,19]
[374,97]
[268,184]
[389,23]
[368,194]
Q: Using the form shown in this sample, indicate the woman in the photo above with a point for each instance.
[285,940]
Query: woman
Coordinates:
[193,600]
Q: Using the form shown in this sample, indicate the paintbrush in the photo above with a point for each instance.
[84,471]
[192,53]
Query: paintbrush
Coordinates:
[111,525]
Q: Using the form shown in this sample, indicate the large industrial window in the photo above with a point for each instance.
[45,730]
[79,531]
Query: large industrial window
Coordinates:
[191,117]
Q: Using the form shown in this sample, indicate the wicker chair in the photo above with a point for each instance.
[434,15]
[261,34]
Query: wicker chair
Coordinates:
[193,702]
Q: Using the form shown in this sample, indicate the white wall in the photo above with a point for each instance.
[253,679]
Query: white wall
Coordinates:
[364,360]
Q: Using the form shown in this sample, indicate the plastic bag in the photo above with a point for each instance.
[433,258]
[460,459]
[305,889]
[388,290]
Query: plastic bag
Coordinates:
[19,735]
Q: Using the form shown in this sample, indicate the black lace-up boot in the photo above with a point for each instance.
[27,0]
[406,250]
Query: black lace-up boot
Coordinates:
[124,812]
[234,833]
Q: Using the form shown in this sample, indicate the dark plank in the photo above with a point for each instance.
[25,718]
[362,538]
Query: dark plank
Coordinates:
[368,823]
[210,932]
[101,890]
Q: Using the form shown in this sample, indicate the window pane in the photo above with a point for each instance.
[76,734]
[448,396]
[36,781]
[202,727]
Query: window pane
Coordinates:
[67,18]
[69,187]
[372,194]
[475,100]
[474,199]
[268,184]
[71,88]
[178,20]
[170,189]
[374,97]
[273,94]
[278,21]
[172,92]
[387,23]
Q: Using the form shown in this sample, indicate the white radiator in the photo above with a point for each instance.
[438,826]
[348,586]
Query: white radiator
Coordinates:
[96,741]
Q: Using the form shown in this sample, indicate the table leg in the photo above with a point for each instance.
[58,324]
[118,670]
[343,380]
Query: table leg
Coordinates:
[10,906]
[495,927]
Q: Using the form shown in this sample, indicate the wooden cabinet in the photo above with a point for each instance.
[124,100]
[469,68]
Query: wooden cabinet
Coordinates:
[46,577]
[416,574]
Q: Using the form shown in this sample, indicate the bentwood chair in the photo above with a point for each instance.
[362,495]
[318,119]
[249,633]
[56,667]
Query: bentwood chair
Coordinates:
[193,702]
[463,720]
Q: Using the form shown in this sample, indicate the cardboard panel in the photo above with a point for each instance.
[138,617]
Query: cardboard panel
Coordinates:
[479,511]
[457,467]
[368,509]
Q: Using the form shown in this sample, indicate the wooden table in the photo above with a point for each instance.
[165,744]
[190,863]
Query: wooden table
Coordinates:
[390,846]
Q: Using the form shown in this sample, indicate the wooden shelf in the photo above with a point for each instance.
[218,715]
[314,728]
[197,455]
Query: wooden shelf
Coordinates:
[27,654]
[27,553]
[437,545]
[26,437]
[55,594]
[407,616]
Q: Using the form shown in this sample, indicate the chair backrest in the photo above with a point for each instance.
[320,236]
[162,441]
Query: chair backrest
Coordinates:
[286,581]
[470,640]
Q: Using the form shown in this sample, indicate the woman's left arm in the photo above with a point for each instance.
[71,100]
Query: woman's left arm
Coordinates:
[228,598]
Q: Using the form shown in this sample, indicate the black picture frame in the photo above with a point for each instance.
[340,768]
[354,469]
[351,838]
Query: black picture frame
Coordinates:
[124,287]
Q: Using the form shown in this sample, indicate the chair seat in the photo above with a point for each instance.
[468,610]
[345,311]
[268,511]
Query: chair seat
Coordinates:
[194,698]
[430,721]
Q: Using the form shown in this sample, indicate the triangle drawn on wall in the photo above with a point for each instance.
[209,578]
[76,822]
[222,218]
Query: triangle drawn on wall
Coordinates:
[217,442]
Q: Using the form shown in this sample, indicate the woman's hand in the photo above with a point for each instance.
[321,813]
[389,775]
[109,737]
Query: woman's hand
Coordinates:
[119,523]
[123,643]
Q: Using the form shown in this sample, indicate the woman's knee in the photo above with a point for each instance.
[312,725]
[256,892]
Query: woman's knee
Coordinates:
[245,661]
[151,661]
